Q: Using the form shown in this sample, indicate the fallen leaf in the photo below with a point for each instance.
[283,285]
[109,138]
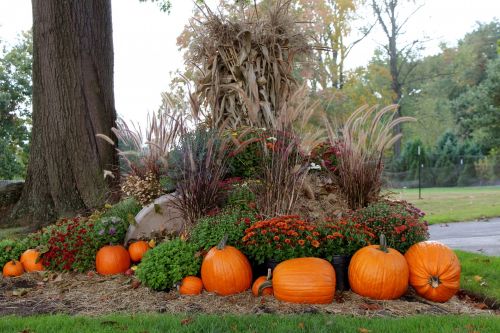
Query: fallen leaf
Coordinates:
[135,284]
[370,307]
[186,321]
[363,330]
[152,243]
[477,278]
[481,306]
[301,325]
[19,292]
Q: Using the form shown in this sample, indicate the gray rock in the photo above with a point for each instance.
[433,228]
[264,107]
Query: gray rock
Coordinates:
[10,192]
[160,216]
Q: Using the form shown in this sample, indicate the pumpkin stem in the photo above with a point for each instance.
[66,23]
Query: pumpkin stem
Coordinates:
[434,281]
[268,274]
[222,243]
[264,285]
[383,243]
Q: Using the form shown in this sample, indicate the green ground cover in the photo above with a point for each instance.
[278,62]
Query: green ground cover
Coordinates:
[454,204]
[255,323]
[480,274]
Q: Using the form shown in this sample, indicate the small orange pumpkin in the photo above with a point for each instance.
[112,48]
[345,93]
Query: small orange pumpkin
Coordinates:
[303,280]
[31,261]
[378,272]
[257,283]
[112,259]
[191,285]
[434,270]
[137,250]
[225,270]
[13,268]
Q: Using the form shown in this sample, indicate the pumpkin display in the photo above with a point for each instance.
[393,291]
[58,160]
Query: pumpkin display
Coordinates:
[225,270]
[13,268]
[112,259]
[258,282]
[137,249]
[31,261]
[378,272]
[434,270]
[303,280]
[191,285]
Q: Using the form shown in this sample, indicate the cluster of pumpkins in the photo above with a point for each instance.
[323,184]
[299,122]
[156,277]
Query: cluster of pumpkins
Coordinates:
[375,271]
[112,259]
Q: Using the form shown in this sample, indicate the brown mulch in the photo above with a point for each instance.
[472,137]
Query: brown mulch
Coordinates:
[91,294]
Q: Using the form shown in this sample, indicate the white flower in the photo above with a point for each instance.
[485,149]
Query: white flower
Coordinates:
[272,138]
[314,166]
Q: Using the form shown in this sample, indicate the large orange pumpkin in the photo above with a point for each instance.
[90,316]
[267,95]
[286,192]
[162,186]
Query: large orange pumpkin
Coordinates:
[256,291]
[434,270]
[378,272]
[303,280]
[112,259]
[31,261]
[191,285]
[225,270]
[13,268]
[137,250]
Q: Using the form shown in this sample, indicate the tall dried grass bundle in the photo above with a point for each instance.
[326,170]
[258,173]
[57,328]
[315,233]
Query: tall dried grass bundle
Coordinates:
[362,141]
[244,65]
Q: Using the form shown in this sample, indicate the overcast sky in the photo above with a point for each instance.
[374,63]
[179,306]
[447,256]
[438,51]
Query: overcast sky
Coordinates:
[146,53]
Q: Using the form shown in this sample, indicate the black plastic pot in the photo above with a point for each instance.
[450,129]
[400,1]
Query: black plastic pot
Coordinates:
[261,270]
[341,266]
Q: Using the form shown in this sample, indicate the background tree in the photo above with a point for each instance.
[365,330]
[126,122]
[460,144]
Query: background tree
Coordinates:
[400,57]
[72,102]
[15,106]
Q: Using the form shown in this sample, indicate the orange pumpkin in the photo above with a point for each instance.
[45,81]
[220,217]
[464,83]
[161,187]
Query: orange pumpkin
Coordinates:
[13,268]
[191,285]
[225,270]
[257,283]
[434,270]
[378,272]
[303,280]
[137,250]
[112,259]
[31,261]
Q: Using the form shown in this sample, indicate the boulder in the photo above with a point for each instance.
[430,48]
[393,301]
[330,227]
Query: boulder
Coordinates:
[10,192]
[159,217]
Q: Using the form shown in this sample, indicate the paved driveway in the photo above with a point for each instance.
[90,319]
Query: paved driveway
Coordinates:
[480,237]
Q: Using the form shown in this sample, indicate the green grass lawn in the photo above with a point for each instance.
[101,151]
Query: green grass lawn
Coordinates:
[255,323]
[454,204]
[480,274]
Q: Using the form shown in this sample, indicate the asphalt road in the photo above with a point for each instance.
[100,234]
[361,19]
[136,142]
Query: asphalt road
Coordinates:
[479,236]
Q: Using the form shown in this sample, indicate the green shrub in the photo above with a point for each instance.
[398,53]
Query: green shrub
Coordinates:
[10,250]
[126,210]
[246,162]
[209,230]
[166,264]
[240,195]
[109,231]
[400,221]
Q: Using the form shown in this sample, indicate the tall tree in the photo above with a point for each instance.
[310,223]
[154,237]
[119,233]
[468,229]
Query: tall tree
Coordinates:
[399,56]
[72,102]
[15,106]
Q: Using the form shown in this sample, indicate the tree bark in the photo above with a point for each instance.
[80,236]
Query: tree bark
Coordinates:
[72,102]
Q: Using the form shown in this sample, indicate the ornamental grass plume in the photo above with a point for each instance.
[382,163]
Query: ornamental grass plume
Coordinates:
[362,141]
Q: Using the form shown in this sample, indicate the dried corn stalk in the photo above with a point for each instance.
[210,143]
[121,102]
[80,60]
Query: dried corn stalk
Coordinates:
[244,65]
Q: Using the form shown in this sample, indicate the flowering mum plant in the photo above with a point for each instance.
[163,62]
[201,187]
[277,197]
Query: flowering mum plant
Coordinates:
[281,238]
[343,237]
[400,221]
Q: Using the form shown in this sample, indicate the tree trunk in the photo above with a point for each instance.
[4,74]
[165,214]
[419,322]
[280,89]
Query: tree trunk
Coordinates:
[72,102]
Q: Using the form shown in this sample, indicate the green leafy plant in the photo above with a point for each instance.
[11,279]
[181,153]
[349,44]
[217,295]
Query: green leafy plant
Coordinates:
[399,221]
[166,264]
[126,210]
[245,160]
[232,222]
[281,238]
[109,231]
[10,250]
